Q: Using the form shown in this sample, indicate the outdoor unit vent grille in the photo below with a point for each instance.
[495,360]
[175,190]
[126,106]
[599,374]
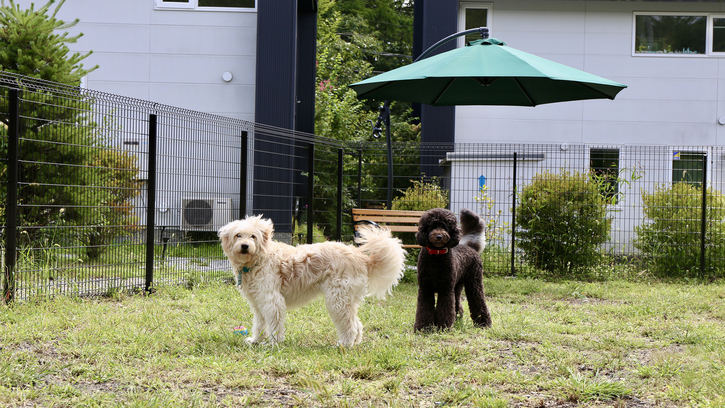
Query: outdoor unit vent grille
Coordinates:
[208,214]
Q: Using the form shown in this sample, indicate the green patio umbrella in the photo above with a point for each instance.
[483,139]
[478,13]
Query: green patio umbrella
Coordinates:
[486,72]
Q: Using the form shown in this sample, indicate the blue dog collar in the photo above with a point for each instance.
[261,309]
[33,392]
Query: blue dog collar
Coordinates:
[245,269]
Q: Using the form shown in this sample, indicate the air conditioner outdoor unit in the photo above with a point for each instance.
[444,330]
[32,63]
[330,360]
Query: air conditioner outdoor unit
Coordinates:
[207,214]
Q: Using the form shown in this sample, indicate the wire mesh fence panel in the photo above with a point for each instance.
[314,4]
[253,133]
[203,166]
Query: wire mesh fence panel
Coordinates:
[74,196]
[117,194]
[197,191]
[113,193]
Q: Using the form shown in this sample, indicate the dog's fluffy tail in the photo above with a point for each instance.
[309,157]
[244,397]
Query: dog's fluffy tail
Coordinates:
[472,230]
[387,259]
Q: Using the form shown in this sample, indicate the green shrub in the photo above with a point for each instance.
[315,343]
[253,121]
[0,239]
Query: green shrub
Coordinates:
[562,221]
[421,196]
[670,239]
[112,217]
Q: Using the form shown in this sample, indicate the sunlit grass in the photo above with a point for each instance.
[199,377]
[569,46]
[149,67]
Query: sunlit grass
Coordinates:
[571,342]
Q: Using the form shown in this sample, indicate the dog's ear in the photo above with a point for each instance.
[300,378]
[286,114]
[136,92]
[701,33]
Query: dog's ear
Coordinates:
[224,231]
[224,234]
[451,224]
[421,237]
[267,227]
[455,235]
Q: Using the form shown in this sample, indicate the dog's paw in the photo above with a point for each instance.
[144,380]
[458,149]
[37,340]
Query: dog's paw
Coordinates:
[424,329]
[268,342]
[252,340]
[273,340]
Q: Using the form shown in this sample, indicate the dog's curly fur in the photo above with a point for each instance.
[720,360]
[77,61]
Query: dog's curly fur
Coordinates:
[447,273]
[275,277]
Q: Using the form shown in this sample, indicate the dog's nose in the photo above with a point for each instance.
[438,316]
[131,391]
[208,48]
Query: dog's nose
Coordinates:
[245,247]
[439,237]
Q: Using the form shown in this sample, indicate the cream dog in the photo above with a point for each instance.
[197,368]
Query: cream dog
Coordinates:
[275,277]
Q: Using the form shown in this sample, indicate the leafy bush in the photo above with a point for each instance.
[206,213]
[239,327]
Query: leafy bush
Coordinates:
[671,239]
[111,216]
[421,196]
[562,221]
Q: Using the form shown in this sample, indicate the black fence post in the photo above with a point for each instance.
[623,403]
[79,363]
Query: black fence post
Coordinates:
[359,178]
[513,222]
[338,229]
[703,232]
[11,209]
[151,204]
[310,191]
[243,175]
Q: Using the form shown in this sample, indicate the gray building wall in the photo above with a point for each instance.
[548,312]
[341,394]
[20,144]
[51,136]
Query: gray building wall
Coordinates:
[173,57]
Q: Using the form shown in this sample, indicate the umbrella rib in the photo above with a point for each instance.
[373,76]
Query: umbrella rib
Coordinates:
[440,95]
[596,90]
[526,94]
[381,85]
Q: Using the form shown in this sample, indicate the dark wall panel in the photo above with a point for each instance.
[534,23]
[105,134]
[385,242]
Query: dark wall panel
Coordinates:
[284,98]
[434,20]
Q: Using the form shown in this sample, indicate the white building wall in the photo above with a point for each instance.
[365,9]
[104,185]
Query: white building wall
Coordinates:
[172,57]
[669,100]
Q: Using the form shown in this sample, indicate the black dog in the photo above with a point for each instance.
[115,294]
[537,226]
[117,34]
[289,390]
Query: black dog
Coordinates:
[446,268]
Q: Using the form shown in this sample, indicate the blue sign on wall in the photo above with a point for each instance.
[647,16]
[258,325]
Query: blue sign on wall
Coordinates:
[481,182]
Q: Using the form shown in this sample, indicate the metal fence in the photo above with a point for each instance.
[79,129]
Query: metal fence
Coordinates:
[103,193]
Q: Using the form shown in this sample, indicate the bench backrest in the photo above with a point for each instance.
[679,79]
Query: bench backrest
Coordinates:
[395,220]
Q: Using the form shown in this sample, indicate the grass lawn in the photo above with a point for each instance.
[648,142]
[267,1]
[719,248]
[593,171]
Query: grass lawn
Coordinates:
[559,344]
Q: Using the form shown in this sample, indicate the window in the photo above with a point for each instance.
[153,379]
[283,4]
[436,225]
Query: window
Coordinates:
[670,34]
[718,34]
[235,5]
[679,34]
[687,167]
[474,15]
[605,169]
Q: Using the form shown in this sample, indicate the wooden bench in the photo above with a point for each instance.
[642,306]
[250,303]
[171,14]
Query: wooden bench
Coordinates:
[396,221]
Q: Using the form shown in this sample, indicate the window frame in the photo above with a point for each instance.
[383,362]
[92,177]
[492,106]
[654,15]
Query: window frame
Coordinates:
[711,30]
[609,173]
[462,6]
[709,27]
[194,6]
[692,168]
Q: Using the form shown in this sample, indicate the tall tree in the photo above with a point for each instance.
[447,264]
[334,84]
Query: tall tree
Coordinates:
[356,38]
[29,44]
[68,175]
[389,21]
[340,62]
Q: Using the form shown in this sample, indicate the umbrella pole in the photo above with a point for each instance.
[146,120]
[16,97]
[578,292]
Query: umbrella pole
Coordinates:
[481,30]
[384,118]
[388,141]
